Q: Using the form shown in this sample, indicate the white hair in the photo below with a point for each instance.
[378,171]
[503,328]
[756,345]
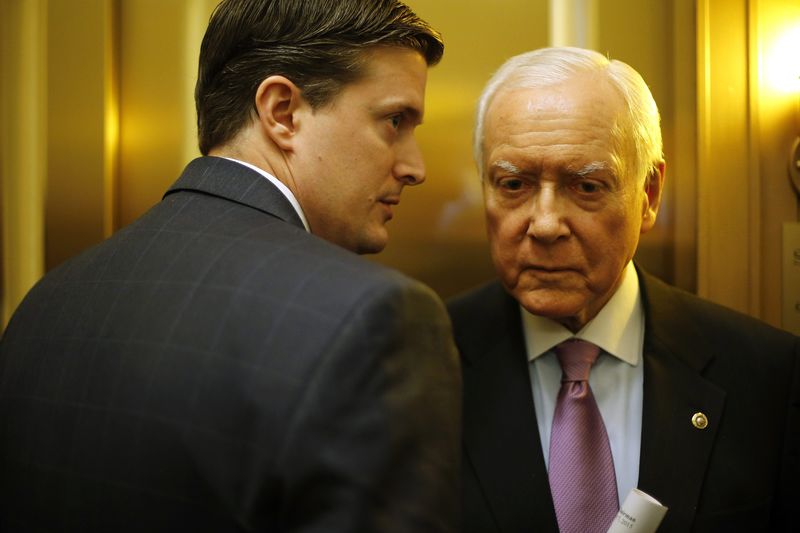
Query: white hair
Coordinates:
[638,129]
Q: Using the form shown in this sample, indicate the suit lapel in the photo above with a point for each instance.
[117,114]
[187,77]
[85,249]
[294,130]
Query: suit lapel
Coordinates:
[674,453]
[501,435]
[229,180]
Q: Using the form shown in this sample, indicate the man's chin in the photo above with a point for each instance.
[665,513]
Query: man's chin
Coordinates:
[372,244]
[370,250]
[563,306]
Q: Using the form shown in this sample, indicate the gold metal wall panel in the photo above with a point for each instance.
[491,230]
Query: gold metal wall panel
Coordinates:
[151,102]
[774,72]
[723,206]
[79,195]
[23,141]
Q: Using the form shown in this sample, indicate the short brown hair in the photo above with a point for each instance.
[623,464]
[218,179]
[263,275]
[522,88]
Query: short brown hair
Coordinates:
[318,44]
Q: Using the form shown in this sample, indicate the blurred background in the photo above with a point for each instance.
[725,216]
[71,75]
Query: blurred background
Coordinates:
[97,120]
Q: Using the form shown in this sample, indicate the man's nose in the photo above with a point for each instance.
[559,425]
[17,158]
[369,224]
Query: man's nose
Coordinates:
[547,216]
[410,166]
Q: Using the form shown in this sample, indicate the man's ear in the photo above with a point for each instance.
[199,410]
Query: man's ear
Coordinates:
[653,188]
[277,102]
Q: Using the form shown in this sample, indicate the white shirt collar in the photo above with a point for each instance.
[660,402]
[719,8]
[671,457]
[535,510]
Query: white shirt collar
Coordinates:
[281,187]
[618,328]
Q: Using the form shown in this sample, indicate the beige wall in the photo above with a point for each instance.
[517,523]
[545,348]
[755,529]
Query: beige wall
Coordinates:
[113,81]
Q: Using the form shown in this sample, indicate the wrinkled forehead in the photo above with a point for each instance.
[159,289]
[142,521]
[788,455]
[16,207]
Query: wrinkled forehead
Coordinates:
[585,92]
[589,104]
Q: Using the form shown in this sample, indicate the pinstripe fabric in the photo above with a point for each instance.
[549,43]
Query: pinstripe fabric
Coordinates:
[213,367]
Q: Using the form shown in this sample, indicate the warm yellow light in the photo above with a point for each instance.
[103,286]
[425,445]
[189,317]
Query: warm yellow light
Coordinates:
[782,62]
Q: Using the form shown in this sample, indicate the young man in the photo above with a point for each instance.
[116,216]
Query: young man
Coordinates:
[226,362]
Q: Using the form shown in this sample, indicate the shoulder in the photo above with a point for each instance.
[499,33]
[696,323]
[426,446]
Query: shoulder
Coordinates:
[483,314]
[476,303]
[280,256]
[334,269]
[311,281]
[732,345]
[671,309]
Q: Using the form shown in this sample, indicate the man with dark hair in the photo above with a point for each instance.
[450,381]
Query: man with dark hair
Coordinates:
[217,365]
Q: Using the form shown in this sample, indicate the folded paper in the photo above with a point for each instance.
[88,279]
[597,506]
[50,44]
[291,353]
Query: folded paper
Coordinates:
[641,513]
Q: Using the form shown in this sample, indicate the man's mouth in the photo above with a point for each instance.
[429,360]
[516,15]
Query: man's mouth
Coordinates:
[387,203]
[551,269]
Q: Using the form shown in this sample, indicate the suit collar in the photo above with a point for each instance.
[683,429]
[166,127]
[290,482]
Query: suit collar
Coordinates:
[666,314]
[674,453]
[229,180]
[500,428]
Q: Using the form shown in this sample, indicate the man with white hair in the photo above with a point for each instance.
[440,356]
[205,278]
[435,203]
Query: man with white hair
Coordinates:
[585,377]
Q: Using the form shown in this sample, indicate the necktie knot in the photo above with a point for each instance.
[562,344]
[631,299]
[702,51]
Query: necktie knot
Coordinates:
[576,358]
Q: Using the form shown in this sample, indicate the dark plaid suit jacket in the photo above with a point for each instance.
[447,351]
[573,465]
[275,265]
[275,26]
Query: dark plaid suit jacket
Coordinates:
[737,475]
[214,367]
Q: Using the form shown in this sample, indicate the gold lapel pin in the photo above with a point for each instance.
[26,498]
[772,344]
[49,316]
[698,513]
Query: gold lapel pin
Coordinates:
[700,421]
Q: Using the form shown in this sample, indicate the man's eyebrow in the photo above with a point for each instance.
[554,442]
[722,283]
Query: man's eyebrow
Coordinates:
[591,168]
[502,164]
[399,106]
[413,114]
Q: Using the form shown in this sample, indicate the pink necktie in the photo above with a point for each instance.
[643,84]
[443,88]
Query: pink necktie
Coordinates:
[582,479]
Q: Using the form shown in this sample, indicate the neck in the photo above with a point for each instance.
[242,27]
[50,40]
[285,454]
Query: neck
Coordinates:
[265,156]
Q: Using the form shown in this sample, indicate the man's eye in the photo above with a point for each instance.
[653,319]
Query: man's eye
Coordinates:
[396,120]
[588,187]
[511,184]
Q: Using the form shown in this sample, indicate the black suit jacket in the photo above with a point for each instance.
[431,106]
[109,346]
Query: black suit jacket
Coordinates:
[214,367]
[738,474]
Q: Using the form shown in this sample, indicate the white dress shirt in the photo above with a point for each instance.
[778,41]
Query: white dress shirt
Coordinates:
[281,187]
[616,378]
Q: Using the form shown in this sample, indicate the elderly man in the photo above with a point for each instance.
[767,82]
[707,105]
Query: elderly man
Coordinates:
[584,377]
[227,362]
